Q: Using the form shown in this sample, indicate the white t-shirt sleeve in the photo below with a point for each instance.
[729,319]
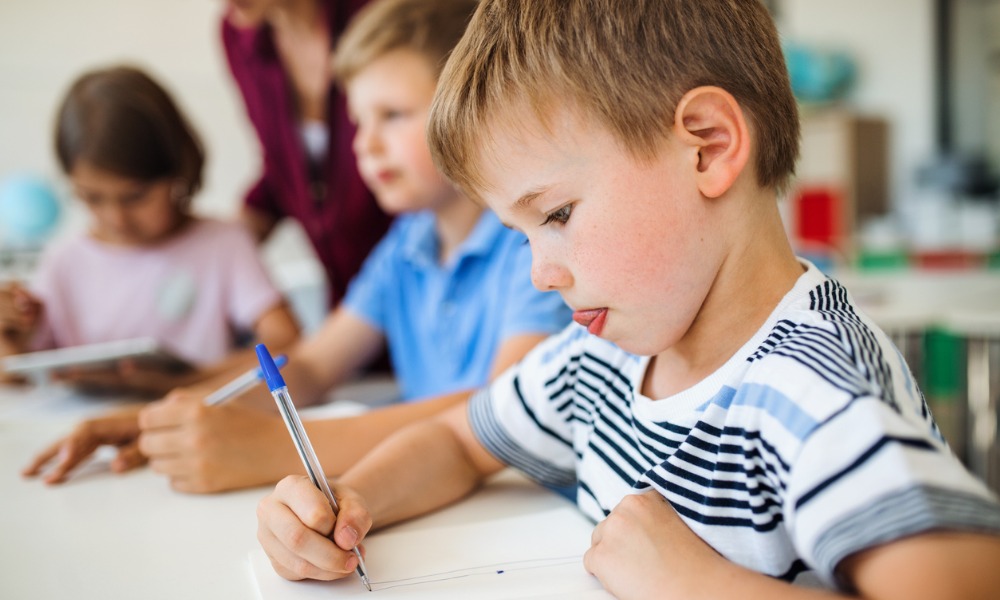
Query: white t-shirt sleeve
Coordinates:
[872,473]
[525,424]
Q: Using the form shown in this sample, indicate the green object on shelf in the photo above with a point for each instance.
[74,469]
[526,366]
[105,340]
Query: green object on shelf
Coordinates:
[944,365]
[943,385]
[993,260]
[892,260]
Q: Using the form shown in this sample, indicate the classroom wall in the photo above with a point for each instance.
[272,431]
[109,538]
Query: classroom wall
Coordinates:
[45,43]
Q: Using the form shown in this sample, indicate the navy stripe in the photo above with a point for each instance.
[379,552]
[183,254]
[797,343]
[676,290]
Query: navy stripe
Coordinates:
[619,376]
[797,568]
[668,481]
[583,488]
[917,443]
[534,418]
[620,448]
[713,519]
[753,436]
[624,476]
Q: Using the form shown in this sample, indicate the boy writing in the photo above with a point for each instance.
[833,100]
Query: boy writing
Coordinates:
[448,288]
[731,419]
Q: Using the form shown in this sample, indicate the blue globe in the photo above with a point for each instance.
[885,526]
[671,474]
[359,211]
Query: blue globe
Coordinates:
[819,75]
[29,209]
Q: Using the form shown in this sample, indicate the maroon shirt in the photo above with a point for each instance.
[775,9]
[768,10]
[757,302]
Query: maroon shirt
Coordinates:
[330,200]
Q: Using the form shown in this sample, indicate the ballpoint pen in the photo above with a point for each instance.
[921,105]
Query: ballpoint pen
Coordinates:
[276,383]
[241,383]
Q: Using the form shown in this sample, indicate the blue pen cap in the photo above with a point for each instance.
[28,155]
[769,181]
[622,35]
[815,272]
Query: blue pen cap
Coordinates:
[279,361]
[271,373]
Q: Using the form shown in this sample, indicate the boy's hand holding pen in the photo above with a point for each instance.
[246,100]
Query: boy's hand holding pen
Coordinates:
[336,524]
[297,522]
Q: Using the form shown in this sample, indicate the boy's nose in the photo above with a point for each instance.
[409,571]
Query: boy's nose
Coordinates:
[548,275]
[365,142]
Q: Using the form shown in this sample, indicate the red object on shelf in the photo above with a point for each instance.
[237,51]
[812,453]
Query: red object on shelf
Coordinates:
[948,259]
[818,216]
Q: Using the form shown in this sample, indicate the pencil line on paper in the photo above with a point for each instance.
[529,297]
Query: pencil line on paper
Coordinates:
[498,568]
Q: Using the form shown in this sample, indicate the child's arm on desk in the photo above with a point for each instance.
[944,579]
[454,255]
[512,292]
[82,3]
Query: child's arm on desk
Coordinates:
[213,449]
[644,550]
[244,443]
[207,449]
[119,429]
[423,467]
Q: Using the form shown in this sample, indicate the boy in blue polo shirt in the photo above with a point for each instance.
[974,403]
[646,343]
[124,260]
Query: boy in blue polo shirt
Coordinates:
[449,287]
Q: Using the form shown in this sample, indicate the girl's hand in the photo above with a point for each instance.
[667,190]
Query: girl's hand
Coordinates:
[295,526]
[20,313]
[120,429]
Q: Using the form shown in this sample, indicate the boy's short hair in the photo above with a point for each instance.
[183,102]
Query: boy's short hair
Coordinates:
[428,27]
[121,120]
[626,64]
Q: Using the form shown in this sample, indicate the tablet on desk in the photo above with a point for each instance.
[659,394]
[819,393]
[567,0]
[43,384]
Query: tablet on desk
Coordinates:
[146,352]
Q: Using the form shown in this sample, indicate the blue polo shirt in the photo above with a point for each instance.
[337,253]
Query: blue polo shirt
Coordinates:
[444,322]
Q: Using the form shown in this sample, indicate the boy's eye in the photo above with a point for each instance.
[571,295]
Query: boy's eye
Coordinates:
[559,215]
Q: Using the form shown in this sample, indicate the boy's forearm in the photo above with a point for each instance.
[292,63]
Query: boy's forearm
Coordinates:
[931,566]
[422,468]
[749,585]
[341,443]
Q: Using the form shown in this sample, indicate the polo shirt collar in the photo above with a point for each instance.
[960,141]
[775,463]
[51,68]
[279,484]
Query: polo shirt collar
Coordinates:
[421,244]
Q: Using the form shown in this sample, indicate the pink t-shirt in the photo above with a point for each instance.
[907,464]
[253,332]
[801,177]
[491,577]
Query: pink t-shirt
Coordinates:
[193,293]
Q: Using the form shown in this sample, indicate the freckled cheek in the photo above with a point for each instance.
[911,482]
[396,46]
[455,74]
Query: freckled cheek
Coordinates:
[609,262]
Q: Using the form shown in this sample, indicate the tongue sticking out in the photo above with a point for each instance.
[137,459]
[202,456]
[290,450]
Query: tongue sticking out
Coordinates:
[593,319]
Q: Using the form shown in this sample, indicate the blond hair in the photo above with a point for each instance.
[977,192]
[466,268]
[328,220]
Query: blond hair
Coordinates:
[626,64]
[428,27]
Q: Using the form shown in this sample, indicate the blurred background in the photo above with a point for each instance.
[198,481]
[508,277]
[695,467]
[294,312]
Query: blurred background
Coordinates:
[46,44]
[900,103]
[896,194]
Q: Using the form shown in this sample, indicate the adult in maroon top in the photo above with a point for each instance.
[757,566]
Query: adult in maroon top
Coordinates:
[279,55]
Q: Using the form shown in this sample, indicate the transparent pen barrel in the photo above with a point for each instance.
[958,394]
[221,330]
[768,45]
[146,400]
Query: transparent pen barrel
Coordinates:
[303,445]
[311,461]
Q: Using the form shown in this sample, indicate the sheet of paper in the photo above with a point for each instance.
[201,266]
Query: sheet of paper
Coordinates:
[536,554]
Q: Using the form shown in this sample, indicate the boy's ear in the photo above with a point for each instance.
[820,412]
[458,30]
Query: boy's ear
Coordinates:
[710,121]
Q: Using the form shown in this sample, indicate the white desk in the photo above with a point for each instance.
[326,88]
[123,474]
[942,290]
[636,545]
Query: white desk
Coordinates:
[107,536]
[102,535]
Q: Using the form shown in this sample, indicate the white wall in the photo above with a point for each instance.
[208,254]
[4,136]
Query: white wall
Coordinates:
[45,43]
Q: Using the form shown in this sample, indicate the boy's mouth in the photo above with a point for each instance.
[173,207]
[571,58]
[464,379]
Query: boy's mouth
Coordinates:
[592,318]
[385,176]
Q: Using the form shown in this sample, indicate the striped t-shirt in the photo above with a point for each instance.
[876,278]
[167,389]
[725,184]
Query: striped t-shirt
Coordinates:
[811,443]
